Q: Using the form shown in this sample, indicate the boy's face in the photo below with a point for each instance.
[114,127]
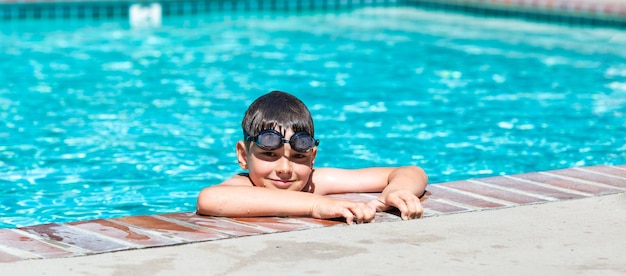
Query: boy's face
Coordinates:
[282,168]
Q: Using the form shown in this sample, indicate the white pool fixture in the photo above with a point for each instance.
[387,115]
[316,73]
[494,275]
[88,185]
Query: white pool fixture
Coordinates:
[145,15]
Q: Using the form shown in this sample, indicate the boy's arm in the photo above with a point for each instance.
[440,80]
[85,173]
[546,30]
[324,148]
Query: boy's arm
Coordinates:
[369,180]
[400,187]
[250,201]
[405,185]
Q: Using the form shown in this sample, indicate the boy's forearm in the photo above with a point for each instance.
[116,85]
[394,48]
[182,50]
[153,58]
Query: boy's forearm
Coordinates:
[243,201]
[413,179]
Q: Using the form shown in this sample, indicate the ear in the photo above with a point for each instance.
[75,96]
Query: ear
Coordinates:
[313,154]
[242,155]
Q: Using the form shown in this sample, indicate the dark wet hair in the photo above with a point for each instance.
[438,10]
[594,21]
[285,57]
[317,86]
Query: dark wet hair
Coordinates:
[277,109]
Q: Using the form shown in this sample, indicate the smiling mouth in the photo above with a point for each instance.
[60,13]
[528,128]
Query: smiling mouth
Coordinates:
[282,183]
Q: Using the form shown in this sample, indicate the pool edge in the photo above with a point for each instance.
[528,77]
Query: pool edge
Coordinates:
[92,237]
[605,13]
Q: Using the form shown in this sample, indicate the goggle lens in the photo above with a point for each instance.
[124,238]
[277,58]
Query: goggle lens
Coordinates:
[270,139]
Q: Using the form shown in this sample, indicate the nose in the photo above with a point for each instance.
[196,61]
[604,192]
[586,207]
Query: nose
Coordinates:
[283,166]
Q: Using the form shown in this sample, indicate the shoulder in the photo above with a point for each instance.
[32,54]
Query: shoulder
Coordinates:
[240,179]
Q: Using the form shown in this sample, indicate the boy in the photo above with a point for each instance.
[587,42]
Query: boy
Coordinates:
[279,151]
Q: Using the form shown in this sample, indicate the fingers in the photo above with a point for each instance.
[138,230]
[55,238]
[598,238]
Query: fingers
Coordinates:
[377,205]
[349,216]
[409,205]
[359,212]
[414,209]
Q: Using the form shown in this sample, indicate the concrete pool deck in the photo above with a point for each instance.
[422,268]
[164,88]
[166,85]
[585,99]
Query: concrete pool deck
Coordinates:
[576,237]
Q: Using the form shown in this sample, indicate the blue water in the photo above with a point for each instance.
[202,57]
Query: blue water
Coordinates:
[102,120]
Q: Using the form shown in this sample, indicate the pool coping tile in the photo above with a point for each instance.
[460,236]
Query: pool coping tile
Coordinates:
[438,206]
[133,236]
[594,176]
[170,229]
[7,258]
[477,187]
[468,199]
[225,226]
[610,10]
[22,245]
[613,171]
[567,180]
[535,189]
[73,239]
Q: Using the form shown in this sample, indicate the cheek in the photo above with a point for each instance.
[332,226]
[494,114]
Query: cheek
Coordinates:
[303,170]
[263,167]
[259,169]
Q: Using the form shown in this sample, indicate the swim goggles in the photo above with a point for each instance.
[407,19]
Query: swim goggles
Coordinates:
[270,139]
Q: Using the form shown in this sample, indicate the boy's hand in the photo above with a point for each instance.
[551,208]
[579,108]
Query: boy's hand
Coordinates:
[325,208]
[407,203]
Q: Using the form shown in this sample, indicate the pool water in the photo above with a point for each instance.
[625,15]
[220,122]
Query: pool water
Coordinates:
[101,120]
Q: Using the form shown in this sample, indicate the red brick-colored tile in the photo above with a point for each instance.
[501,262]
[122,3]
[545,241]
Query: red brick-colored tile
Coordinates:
[221,225]
[566,183]
[379,217]
[591,177]
[129,234]
[608,170]
[171,230]
[321,222]
[7,258]
[442,207]
[64,234]
[493,193]
[371,196]
[461,198]
[28,244]
[358,197]
[512,182]
[275,223]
